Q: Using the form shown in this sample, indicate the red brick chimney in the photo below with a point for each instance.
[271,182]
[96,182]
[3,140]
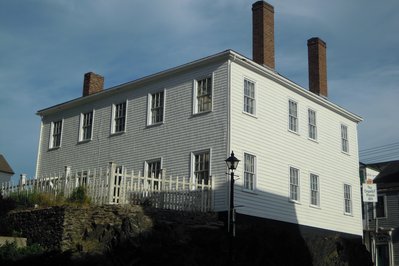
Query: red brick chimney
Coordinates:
[92,83]
[317,58]
[263,33]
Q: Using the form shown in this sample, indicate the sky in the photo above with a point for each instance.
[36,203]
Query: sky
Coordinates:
[46,46]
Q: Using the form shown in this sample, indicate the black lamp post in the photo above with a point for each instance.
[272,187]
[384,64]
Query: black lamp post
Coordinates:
[232,163]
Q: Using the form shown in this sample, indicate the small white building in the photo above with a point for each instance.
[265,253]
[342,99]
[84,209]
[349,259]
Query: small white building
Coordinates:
[298,150]
[6,171]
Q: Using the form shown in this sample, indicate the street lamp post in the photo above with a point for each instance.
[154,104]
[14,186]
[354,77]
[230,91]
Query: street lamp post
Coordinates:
[232,163]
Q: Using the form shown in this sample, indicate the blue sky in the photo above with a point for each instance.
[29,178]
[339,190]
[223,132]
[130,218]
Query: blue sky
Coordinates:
[47,45]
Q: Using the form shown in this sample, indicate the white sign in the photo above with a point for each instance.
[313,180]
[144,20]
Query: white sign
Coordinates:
[369,192]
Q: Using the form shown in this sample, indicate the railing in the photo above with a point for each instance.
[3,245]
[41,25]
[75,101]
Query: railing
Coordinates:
[115,185]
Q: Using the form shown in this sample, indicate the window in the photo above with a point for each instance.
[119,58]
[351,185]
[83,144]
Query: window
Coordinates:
[312,124]
[294,184]
[249,97]
[293,116]
[119,117]
[56,131]
[314,190]
[156,108]
[380,207]
[86,126]
[203,95]
[348,198]
[201,167]
[344,138]
[153,169]
[249,172]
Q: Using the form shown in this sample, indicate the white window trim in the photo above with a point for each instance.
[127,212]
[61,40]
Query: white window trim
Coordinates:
[113,118]
[255,91]
[289,184]
[297,116]
[51,139]
[315,125]
[318,190]
[81,120]
[255,173]
[195,102]
[149,104]
[351,200]
[347,138]
[192,164]
[146,162]
[385,208]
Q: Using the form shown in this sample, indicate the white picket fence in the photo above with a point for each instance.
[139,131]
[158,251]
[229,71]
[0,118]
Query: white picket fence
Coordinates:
[115,185]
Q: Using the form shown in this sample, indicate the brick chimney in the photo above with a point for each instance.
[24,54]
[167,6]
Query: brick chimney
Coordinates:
[263,33]
[92,83]
[317,61]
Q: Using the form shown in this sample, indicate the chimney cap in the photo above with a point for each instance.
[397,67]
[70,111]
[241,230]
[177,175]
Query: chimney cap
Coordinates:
[260,4]
[316,40]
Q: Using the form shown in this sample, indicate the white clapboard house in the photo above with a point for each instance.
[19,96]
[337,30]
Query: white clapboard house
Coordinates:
[298,150]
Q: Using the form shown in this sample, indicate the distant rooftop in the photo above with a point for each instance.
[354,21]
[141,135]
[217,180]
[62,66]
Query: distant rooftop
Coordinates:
[4,166]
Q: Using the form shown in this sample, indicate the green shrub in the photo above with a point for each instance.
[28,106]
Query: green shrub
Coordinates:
[10,251]
[28,199]
[79,196]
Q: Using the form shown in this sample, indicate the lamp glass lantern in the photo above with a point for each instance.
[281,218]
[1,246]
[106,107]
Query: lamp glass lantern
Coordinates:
[232,162]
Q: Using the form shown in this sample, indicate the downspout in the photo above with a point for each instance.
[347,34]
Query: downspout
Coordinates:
[39,147]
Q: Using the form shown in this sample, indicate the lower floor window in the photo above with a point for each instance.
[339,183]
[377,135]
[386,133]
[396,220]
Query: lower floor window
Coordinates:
[348,198]
[154,173]
[294,184]
[201,167]
[249,171]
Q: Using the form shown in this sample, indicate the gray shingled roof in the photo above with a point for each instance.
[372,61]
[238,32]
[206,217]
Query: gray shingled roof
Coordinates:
[4,166]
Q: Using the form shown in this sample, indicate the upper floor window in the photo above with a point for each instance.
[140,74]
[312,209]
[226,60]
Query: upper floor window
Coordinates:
[293,116]
[312,124]
[119,117]
[380,208]
[249,97]
[249,171]
[156,108]
[344,138]
[56,134]
[201,167]
[203,95]
[86,126]
[348,198]
[294,184]
[314,190]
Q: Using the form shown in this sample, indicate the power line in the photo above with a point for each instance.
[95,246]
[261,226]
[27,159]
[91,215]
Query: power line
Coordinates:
[379,147]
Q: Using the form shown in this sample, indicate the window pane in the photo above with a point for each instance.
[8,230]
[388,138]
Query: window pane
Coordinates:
[294,184]
[204,95]
[293,118]
[120,117]
[157,100]
[249,97]
[201,167]
[249,171]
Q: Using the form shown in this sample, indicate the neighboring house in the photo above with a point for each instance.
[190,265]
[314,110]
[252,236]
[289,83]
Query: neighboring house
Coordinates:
[381,223]
[6,171]
[298,150]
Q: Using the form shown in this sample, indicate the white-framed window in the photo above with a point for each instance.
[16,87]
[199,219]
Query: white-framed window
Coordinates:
[294,184]
[344,138]
[380,210]
[293,116]
[249,171]
[312,124]
[119,117]
[156,104]
[203,94]
[347,199]
[249,97]
[153,171]
[56,134]
[314,190]
[201,166]
[86,126]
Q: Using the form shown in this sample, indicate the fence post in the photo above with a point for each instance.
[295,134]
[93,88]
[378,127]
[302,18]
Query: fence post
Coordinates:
[22,182]
[67,173]
[111,176]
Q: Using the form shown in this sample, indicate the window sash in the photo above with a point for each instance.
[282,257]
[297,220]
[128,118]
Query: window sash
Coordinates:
[201,167]
[204,95]
[293,116]
[314,190]
[56,134]
[380,207]
[87,125]
[157,103]
[120,117]
[348,198]
[294,184]
[344,138]
[249,97]
[249,172]
[312,124]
